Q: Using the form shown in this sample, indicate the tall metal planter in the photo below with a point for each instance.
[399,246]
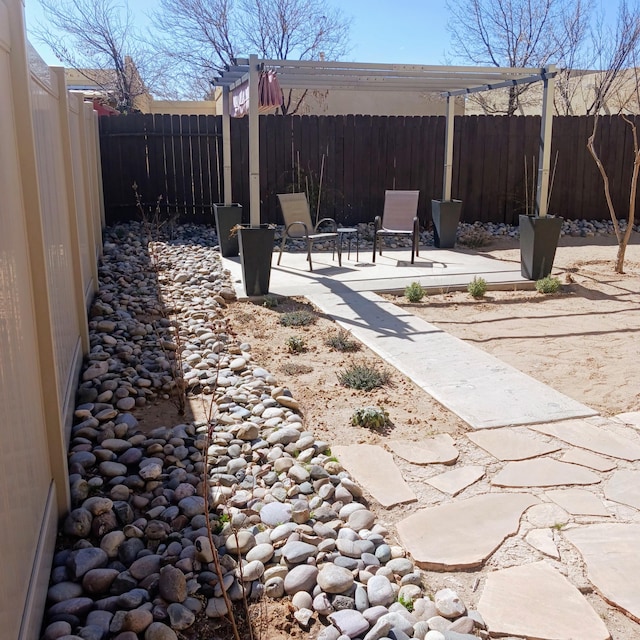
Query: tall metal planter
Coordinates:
[446,216]
[256,249]
[538,242]
[227,217]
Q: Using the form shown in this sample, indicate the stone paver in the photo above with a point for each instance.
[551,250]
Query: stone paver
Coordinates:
[508,444]
[453,482]
[581,433]
[543,472]
[542,540]
[624,487]
[631,418]
[588,459]
[578,502]
[374,469]
[439,449]
[610,552]
[560,613]
[464,533]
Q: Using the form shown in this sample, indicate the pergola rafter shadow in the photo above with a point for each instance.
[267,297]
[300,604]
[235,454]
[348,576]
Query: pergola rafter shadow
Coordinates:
[448,81]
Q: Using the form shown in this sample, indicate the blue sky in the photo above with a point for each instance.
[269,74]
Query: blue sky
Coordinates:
[400,31]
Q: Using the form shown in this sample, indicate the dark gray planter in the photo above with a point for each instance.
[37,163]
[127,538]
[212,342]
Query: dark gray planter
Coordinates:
[256,249]
[227,217]
[445,215]
[538,242]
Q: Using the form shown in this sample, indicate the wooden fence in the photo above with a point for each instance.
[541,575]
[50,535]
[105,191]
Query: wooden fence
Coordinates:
[355,158]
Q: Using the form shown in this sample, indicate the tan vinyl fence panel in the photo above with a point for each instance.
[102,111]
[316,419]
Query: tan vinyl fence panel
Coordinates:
[50,237]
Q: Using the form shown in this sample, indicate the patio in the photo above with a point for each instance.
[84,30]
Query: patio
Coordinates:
[434,269]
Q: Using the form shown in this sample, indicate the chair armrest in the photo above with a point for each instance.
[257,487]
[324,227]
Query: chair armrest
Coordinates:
[377,223]
[416,224]
[295,224]
[331,221]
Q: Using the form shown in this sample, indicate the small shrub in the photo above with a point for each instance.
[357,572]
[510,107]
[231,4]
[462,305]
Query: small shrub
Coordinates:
[549,284]
[300,318]
[342,341]
[477,287]
[296,344]
[370,418]
[406,602]
[475,238]
[270,302]
[414,292]
[295,369]
[363,376]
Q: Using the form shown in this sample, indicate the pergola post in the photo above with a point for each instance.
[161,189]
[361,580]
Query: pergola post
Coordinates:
[254,144]
[542,191]
[448,150]
[226,146]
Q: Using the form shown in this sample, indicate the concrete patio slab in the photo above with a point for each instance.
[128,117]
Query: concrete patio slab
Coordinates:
[631,418]
[453,482]
[374,469]
[560,613]
[544,472]
[588,459]
[439,449]
[462,534]
[610,552]
[508,444]
[624,487]
[578,502]
[581,433]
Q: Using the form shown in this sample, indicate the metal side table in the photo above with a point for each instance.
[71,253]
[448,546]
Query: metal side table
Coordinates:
[350,232]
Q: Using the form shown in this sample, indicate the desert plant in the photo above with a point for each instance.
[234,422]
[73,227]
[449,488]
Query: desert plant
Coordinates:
[475,238]
[295,368]
[370,418]
[477,287]
[363,376]
[414,292]
[406,602]
[550,284]
[342,341]
[296,344]
[299,318]
[270,302]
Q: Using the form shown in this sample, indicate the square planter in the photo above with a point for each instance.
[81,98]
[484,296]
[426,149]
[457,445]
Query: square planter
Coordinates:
[256,249]
[227,216]
[538,242]
[445,215]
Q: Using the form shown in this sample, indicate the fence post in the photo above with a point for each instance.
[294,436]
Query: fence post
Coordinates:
[65,135]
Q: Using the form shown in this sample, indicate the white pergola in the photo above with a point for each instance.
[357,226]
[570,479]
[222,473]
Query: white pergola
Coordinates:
[447,81]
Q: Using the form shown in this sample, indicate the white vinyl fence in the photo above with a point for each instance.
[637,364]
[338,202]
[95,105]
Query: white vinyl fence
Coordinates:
[50,239]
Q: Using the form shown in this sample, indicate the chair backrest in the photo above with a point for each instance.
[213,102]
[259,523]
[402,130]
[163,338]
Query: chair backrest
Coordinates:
[400,208]
[295,208]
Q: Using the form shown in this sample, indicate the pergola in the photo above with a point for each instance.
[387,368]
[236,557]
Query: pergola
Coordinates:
[448,81]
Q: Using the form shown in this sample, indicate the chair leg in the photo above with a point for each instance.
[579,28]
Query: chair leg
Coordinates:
[284,239]
[309,254]
[338,248]
[375,239]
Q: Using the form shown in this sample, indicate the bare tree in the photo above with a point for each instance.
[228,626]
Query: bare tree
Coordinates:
[100,42]
[517,33]
[201,37]
[618,53]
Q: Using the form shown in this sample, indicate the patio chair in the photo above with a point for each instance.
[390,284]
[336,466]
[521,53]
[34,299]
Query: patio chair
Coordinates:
[297,223]
[399,218]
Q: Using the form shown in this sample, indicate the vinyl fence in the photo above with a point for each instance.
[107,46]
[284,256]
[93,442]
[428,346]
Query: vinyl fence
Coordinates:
[350,161]
[51,222]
